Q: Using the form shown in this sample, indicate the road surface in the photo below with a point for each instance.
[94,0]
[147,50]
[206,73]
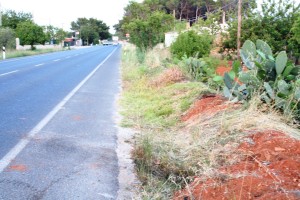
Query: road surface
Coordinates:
[58,135]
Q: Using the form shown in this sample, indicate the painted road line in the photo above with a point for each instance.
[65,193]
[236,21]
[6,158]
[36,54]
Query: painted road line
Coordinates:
[56,60]
[39,64]
[13,153]
[9,73]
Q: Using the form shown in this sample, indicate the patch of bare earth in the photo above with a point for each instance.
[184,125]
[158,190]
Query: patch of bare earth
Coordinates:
[207,106]
[266,164]
[169,76]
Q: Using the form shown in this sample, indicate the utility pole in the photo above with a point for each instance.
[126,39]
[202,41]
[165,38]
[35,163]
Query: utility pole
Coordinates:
[239,28]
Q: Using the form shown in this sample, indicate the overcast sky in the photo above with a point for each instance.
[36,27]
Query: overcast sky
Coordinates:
[61,13]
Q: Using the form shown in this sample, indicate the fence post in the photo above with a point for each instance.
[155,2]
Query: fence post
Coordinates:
[3,49]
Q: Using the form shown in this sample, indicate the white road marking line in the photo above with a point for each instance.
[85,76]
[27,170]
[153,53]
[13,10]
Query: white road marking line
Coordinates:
[13,153]
[39,64]
[9,73]
[56,60]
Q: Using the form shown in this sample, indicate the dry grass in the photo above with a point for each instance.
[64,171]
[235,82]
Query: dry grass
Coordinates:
[200,147]
[155,56]
[169,157]
[168,77]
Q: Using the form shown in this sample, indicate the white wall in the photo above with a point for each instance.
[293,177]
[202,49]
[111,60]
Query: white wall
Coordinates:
[170,38]
[27,47]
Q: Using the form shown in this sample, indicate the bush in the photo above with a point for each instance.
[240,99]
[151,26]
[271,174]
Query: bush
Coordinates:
[7,38]
[191,44]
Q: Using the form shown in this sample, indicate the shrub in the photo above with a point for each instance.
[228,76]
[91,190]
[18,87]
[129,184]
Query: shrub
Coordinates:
[203,70]
[7,38]
[191,44]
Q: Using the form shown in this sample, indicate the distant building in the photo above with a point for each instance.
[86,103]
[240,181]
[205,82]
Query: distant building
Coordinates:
[69,42]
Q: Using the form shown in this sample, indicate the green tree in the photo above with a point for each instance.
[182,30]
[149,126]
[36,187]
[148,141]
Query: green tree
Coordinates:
[50,32]
[7,38]
[60,35]
[54,34]
[146,32]
[272,24]
[294,42]
[11,18]
[296,29]
[30,34]
[91,29]
[89,34]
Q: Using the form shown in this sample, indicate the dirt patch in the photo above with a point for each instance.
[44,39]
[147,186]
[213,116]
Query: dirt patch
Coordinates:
[269,168]
[221,70]
[207,105]
[169,76]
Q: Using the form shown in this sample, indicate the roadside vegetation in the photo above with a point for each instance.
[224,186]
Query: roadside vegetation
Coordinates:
[210,125]
[22,53]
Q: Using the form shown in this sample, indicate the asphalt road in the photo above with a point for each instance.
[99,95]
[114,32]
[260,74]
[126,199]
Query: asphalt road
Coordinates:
[57,128]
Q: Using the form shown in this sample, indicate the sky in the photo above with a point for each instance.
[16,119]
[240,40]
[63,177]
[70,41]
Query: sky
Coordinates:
[60,13]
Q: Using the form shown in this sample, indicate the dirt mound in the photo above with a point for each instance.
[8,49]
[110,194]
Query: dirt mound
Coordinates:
[169,76]
[207,106]
[269,169]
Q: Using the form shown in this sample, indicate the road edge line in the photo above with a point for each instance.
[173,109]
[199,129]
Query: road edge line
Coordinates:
[13,153]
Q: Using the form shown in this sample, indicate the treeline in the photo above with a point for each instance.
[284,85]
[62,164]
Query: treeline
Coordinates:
[21,25]
[276,22]
[91,30]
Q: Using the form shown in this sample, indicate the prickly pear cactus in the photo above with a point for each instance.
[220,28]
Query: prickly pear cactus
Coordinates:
[264,47]
[281,61]
[248,54]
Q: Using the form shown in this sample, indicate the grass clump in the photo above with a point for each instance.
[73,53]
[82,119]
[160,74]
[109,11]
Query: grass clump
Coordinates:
[149,106]
[154,109]
[169,153]
[22,53]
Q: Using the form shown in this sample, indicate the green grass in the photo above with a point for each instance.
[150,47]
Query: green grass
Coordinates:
[155,111]
[146,106]
[156,107]
[22,53]
[169,153]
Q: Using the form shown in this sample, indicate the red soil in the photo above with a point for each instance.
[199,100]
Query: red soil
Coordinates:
[221,70]
[207,105]
[270,169]
[268,164]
